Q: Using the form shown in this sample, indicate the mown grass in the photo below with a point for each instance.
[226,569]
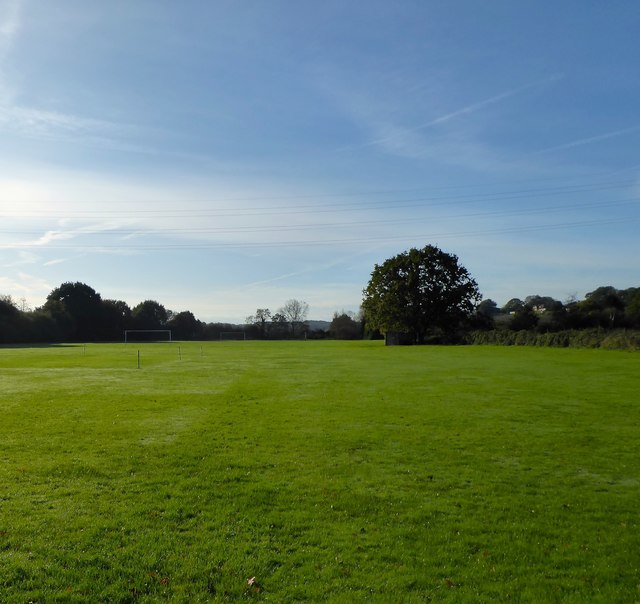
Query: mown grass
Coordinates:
[327,471]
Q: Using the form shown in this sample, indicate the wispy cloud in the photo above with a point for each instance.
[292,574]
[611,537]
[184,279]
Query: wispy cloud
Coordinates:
[10,24]
[41,120]
[24,257]
[39,123]
[395,138]
[491,101]
[286,276]
[43,124]
[587,141]
[10,13]
[26,284]
[473,107]
[50,237]
[55,261]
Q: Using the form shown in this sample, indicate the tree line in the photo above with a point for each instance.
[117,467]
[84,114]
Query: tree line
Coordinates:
[75,312]
[604,308]
[419,296]
[426,296]
[606,318]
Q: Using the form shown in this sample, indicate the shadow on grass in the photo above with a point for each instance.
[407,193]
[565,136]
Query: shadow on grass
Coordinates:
[30,345]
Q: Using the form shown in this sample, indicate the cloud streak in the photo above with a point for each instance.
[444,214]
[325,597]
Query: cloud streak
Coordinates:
[54,262]
[64,127]
[26,284]
[10,24]
[587,141]
[42,124]
[306,271]
[10,13]
[51,237]
[467,110]
[474,107]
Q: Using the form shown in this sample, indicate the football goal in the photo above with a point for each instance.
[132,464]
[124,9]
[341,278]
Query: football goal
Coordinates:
[147,335]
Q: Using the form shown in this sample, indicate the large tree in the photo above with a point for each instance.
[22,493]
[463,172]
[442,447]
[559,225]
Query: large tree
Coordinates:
[345,327]
[295,312]
[10,319]
[631,298]
[420,292]
[79,307]
[185,326]
[116,318]
[603,306]
[150,315]
[260,320]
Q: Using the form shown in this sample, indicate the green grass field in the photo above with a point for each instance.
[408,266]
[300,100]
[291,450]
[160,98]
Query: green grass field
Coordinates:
[318,471]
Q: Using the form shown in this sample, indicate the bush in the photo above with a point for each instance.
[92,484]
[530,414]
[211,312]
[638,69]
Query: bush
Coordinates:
[619,339]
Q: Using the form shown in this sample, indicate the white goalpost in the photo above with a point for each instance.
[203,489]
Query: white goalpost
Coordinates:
[147,331]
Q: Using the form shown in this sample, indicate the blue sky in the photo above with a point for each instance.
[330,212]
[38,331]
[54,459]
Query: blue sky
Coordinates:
[225,156]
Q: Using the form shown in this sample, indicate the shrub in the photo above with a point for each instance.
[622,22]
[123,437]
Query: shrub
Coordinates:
[618,339]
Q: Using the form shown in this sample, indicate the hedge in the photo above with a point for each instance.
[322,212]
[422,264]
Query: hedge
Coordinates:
[619,339]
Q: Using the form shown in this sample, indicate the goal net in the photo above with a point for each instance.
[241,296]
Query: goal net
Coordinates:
[147,335]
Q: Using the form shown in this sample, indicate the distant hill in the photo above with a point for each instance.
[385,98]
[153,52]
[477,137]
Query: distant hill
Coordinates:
[318,325]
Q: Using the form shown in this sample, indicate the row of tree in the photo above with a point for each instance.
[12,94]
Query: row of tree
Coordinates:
[422,295]
[75,312]
[288,321]
[426,295]
[605,308]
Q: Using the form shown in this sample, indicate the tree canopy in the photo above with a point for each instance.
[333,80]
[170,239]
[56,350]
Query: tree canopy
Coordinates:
[419,281]
[420,292]
[345,327]
[295,312]
[82,307]
[150,315]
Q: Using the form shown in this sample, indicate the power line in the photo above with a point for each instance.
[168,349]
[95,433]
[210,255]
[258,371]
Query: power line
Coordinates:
[312,226]
[448,187]
[313,208]
[350,241]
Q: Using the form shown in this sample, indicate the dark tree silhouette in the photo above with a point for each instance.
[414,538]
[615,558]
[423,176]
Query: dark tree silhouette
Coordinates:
[420,292]
[79,308]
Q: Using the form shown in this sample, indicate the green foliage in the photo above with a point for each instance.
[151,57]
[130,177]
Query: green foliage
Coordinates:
[259,323]
[631,299]
[327,471]
[488,308]
[9,320]
[420,292]
[116,318]
[621,339]
[522,319]
[185,326]
[513,305]
[345,327]
[76,312]
[7,306]
[603,307]
[150,315]
[78,308]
